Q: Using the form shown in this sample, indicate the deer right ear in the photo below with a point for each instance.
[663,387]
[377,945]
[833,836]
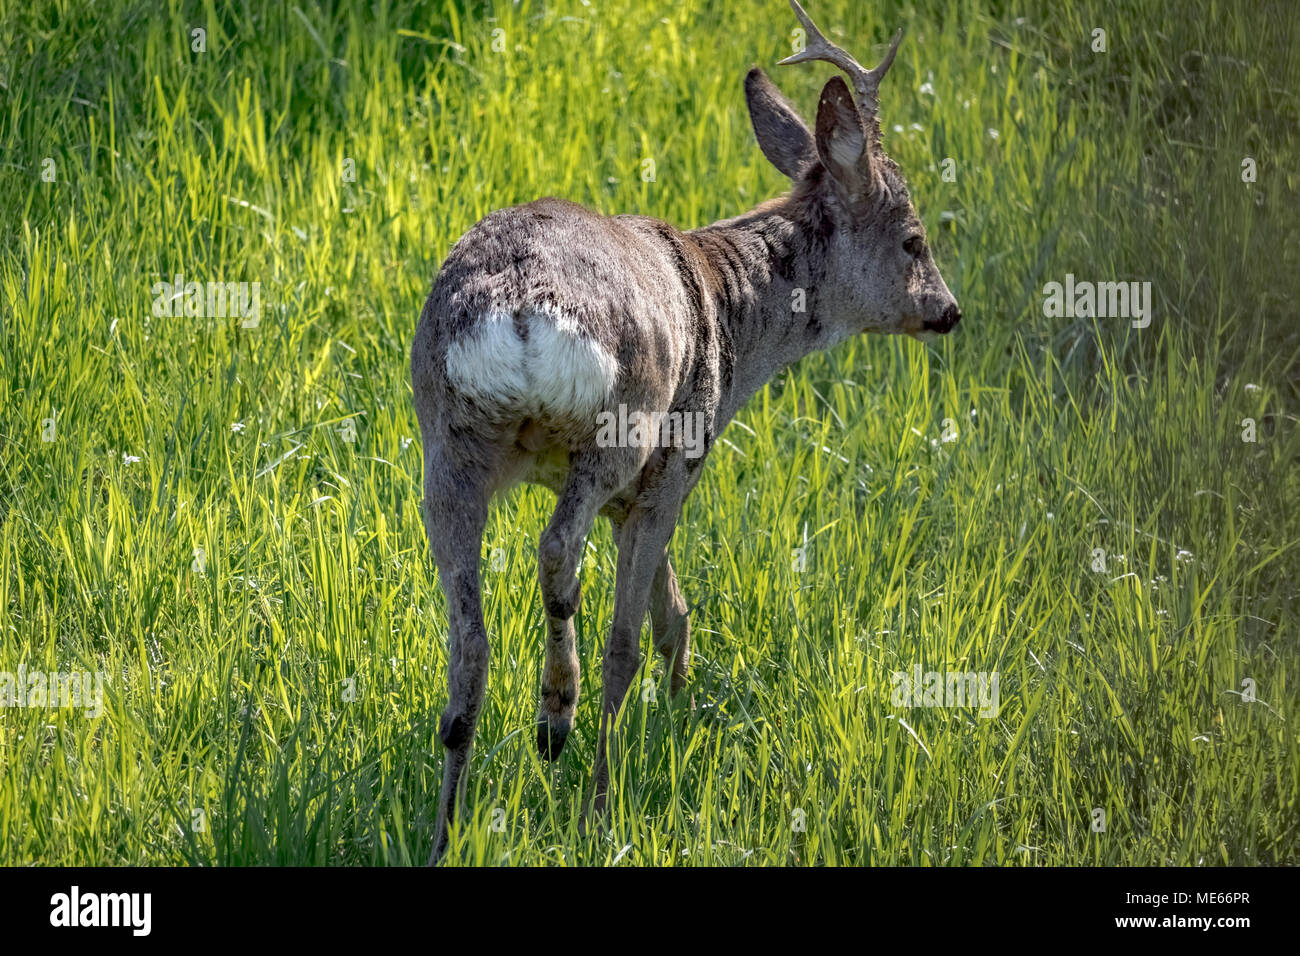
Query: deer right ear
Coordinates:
[842,142]
[782,136]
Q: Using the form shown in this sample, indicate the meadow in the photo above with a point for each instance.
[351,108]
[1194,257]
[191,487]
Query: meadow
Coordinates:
[220,515]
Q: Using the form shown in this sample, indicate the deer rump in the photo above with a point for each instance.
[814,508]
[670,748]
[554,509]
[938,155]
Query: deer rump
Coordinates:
[551,313]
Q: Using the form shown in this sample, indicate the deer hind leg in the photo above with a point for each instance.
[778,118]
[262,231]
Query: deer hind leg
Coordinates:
[671,623]
[642,543]
[591,481]
[455,514]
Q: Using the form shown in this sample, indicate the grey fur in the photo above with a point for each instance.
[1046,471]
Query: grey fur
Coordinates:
[696,322]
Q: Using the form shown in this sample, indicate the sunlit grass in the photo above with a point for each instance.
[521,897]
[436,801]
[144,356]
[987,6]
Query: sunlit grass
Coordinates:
[289,691]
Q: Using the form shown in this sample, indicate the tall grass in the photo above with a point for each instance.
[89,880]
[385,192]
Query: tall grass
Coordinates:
[279,705]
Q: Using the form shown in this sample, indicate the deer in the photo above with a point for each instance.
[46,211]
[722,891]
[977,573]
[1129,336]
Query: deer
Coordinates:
[546,315]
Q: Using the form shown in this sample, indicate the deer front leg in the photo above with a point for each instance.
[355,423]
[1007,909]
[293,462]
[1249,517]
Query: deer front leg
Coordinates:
[642,543]
[671,623]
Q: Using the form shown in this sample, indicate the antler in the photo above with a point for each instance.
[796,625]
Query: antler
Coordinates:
[865,81]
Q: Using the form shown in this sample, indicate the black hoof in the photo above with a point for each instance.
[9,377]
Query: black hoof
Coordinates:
[551,735]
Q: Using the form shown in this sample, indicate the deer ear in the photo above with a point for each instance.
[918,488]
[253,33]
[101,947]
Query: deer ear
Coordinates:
[782,136]
[842,141]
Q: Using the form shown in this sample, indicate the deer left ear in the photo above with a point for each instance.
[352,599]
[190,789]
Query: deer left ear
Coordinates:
[842,141]
[782,135]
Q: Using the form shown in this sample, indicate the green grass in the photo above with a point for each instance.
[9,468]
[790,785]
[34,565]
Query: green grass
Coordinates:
[225,690]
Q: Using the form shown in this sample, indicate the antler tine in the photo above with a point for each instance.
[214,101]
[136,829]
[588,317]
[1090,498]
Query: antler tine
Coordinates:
[865,81]
[819,48]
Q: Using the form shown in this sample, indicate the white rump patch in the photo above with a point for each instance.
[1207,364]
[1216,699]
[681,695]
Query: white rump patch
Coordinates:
[555,371]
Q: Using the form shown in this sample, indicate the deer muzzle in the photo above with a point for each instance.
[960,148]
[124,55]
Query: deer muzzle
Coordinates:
[944,324]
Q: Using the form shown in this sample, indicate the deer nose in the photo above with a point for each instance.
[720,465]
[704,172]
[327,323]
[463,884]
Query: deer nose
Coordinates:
[950,317]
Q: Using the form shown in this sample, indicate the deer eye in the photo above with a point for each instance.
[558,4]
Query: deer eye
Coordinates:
[914,246]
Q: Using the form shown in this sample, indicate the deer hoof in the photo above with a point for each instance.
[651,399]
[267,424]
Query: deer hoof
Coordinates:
[552,732]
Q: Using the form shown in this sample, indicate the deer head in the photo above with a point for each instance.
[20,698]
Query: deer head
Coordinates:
[877,273]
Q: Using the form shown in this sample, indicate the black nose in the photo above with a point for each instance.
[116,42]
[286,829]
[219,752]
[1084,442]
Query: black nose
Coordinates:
[951,316]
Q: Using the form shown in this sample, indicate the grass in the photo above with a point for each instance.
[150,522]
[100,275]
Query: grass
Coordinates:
[279,705]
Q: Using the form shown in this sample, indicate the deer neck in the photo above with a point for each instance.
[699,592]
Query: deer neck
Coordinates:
[764,268]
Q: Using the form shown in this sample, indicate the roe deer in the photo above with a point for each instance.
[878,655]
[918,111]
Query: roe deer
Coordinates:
[547,315]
